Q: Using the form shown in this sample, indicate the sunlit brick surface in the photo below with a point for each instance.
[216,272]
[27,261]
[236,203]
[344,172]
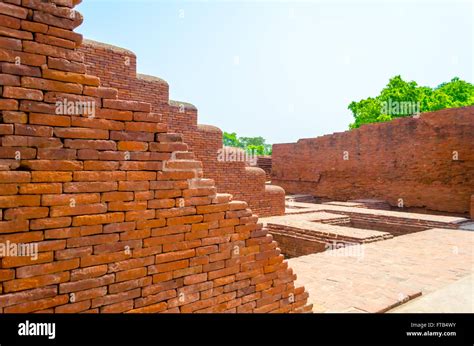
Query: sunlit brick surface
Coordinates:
[384,274]
[122,215]
[425,162]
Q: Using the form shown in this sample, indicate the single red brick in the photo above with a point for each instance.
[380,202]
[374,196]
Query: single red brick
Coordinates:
[34,282]
[47,268]
[49,223]
[26,213]
[40,188]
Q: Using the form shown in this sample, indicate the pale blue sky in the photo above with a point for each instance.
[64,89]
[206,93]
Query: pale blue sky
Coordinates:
[286,70]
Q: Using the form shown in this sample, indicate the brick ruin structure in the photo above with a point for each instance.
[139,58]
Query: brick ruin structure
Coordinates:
[117,68]
[417,162]
[118,205]
[309,228]
[265,163]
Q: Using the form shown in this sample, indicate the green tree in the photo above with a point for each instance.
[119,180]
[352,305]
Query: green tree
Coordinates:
[366,111]
[231,140]
[246,141]
[401,98]
[454,94]
[253,145]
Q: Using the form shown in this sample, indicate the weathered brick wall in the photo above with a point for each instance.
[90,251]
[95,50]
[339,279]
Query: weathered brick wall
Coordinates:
[295,245]
[116,68]
[407,158]
[265,163]
[123,219]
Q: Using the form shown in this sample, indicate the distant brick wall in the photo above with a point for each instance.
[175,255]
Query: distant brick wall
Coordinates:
[122,217]
[117,68]
[265,163]
[407,158]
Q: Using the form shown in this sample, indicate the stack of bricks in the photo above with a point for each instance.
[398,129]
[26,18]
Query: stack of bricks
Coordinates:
[120,211]
[116,68]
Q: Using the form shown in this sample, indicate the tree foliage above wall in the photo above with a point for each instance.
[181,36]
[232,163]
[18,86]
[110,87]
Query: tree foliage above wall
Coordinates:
[253,145]
[401,98]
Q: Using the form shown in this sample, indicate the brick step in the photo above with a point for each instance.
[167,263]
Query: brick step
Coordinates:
[126,105]
[101,92]
[197,183]
[183,165]
[168,147]
[169,138]
[184,155]
[148,117]
[222,198]
[337,221]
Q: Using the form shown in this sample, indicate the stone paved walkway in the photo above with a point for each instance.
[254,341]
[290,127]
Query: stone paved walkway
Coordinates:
[378,276]
[457,297]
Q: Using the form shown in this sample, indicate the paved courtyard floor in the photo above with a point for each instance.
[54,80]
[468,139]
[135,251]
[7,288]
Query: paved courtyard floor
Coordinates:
[377,277]
[457,297]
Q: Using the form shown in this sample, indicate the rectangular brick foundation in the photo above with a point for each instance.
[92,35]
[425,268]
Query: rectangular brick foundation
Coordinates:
[329,226]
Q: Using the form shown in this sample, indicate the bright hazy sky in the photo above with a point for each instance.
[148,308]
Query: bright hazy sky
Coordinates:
[286,70]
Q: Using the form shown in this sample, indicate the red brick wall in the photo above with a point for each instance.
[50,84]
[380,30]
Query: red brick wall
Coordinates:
[117,68]
[407,158]
[118,209]
[265,163]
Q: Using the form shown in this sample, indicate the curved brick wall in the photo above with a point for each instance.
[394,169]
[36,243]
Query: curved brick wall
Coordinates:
[123,219]
[405,158]
[116,68]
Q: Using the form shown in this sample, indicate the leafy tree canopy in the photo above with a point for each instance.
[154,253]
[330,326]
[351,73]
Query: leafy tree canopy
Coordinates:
[253,145]
[401,98]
